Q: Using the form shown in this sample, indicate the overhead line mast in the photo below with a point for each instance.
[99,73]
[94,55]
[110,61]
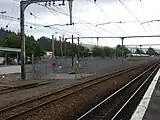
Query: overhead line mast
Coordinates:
[23,5]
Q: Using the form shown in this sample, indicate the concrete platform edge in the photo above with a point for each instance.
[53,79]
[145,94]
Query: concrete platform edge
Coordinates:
[143,105]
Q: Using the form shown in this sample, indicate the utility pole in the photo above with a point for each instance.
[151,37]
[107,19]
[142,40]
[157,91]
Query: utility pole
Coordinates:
[23,6]
[61,46]
[78,49]
[140,49]
[65,47]
[97,41]
[122,47]
[53,56]
[72,52]
[70,10]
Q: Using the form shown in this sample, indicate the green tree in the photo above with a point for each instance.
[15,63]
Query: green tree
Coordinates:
[151,51]
[97,51]
[33,47]
[109,52]
[103,51]
[12,40]
[119,51]
[68,48]
[45,43]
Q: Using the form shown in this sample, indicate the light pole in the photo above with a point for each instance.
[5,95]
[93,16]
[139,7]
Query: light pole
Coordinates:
[23,6]
[72,51]
[140,49]
[97,41]
[122,48]
[78,49]
[53,56]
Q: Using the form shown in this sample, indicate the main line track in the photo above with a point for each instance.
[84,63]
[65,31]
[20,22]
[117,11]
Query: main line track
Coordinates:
[121,104]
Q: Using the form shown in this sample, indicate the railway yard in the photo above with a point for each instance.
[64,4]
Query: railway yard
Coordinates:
[110,96]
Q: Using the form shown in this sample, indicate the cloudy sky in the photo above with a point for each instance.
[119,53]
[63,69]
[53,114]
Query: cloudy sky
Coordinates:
[86,15]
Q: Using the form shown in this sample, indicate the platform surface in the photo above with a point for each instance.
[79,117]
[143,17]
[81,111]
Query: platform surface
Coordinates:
[149,107]
[153,110]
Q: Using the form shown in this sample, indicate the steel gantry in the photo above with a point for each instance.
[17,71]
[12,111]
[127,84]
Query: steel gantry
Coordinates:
[23,5]
[119,37]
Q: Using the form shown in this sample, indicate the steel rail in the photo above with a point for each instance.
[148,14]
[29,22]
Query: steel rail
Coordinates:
[117,113]
[111,75]
[23,87]
[115,93]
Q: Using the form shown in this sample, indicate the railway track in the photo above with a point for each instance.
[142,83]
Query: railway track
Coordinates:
[121,104]
[15,110]
[22,87]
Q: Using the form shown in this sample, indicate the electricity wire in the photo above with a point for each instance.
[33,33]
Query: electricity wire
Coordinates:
[133,15]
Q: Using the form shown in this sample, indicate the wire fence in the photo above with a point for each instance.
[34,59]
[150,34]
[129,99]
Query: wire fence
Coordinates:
[47,69]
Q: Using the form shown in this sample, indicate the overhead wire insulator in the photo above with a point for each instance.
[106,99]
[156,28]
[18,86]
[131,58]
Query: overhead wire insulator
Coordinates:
[63,2]
[49,3]
[95,1]
[53,2]
[45,4]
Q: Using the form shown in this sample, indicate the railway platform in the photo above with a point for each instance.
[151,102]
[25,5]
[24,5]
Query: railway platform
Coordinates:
[149,107]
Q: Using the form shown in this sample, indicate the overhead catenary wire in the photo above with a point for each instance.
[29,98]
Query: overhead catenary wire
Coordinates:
[64,13]
[14,19]
[107,17]
[54,11]
[51,10]
[151,21]
[145,15]
[133,15]
[83,22]
[45,23]
[118,22]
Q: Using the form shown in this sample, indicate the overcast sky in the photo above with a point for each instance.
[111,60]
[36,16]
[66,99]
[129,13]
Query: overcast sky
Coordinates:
[86,11]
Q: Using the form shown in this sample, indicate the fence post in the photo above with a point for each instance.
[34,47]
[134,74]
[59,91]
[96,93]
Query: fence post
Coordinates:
[33,67]
[72,53]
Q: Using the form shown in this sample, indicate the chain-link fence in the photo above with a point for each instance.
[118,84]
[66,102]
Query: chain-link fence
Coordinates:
[44,69]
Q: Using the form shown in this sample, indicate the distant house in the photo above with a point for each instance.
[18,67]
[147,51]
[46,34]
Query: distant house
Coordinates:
[1,60]
[48,54]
